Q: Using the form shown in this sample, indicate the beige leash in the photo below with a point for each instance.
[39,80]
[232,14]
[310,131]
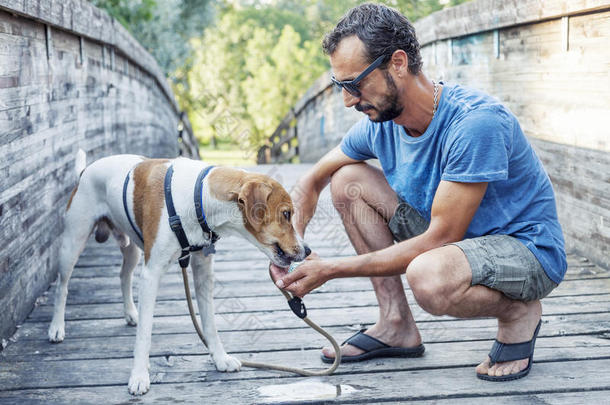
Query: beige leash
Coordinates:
[298,308]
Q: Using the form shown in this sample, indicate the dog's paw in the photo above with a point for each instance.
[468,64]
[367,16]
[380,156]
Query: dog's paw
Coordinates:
[131,317]
[226,363]
[139,382]
[56,333]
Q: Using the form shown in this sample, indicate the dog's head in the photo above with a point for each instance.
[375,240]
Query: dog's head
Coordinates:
[266,209]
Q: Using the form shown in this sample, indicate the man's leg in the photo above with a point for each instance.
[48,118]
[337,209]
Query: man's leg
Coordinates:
[441,282]
[366,203]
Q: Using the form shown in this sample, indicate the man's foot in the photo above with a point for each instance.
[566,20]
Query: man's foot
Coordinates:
[517,328]
[396,337]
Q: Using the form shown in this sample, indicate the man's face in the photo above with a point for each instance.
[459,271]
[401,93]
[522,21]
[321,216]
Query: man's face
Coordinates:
[379,95]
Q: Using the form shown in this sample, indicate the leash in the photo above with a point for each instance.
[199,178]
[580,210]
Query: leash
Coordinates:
[296,304]
[299,309]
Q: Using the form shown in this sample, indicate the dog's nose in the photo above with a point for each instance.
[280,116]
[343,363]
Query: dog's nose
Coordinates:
[307,251]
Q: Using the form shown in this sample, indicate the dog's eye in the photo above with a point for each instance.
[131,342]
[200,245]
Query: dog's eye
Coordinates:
[287,215]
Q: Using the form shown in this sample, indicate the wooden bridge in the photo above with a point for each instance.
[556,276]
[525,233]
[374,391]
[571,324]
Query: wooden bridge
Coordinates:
[93,364]
[69,75]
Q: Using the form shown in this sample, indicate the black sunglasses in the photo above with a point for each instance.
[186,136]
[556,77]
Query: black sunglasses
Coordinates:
[352,86]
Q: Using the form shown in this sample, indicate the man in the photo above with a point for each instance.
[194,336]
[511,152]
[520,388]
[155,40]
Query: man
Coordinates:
[461,192]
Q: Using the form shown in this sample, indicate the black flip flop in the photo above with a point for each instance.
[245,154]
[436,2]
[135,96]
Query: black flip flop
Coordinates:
[374,348]
[501,352]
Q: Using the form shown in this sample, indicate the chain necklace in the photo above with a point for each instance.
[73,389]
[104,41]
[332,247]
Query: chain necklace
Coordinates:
[436,86]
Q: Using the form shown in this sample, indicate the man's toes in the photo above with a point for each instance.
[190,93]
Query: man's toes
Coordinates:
[522,365]
[491,371]
[483,368]
[328,352]
[508,369]
[347,350]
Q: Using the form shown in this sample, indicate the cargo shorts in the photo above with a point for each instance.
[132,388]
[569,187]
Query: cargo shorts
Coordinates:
[500,262]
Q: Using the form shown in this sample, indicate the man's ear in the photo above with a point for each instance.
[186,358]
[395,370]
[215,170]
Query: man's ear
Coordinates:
[400,62]
[253,199]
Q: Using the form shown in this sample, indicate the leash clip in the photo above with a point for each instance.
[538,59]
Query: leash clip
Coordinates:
[185,258]
[298,307]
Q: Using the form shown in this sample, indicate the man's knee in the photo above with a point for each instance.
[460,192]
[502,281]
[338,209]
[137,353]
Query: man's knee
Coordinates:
[424,275]
[346,184]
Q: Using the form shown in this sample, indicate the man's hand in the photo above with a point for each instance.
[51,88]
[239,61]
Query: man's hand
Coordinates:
[308,276]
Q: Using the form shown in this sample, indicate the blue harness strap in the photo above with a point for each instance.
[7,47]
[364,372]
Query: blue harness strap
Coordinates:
[133,226]
[198,197]
[174,219]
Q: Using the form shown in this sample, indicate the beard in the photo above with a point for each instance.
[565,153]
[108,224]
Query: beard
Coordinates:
[389,108]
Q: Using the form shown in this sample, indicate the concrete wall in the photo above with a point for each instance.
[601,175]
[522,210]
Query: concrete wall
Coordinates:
[70,77]
[549,62]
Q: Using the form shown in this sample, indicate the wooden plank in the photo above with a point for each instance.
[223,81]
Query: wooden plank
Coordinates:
[554,398]
[82,291]
[190,368]
[486,15]
[52,107]
[297,339]
[423,385]
[83,19]
[43,313]
[241,325]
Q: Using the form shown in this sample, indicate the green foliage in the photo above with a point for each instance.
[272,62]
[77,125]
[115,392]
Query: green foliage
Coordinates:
[239,77]
[163,27]
[247,72]
[258,60]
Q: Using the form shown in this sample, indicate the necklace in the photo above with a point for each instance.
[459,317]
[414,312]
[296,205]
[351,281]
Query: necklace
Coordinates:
[436,86]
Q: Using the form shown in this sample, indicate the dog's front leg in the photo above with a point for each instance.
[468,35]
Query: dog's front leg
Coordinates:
[139,382]
[204,286]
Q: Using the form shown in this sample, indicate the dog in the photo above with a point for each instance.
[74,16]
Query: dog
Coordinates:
[105,201]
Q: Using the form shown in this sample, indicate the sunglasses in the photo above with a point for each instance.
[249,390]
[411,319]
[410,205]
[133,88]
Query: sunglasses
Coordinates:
[352,86]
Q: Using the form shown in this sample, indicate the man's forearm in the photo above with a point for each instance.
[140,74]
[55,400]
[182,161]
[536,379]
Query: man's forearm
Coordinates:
[390,261]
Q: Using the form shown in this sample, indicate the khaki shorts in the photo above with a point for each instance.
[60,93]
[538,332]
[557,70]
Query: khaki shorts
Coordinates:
[500,262]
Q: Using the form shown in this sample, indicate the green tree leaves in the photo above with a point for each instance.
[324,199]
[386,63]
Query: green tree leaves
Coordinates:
[239,67]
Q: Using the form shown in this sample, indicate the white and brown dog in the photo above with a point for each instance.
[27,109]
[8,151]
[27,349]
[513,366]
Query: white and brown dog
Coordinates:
[236,202]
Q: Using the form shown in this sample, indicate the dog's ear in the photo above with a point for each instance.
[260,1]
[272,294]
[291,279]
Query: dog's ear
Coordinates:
[253,197]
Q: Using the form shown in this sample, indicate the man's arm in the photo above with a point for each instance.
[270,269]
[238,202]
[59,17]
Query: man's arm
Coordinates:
[307,190]
[452,210]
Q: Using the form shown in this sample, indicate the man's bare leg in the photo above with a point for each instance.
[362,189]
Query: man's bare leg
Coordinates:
[440,280]
[366,203]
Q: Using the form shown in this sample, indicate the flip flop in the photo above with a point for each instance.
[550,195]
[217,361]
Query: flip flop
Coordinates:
[374,348]
[501,352]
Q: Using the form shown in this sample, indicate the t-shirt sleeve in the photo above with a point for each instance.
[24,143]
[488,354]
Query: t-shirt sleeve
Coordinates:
[480,147]
[357,142]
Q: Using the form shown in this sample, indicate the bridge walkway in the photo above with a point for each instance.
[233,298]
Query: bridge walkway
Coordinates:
[93,364]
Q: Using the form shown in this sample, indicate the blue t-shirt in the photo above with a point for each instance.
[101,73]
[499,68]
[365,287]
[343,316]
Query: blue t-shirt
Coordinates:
[472,138]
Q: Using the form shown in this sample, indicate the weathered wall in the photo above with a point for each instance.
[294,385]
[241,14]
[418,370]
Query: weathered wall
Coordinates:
[549,62]
[70,77]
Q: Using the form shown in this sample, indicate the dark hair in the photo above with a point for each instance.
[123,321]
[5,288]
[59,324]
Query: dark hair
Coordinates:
[382,29]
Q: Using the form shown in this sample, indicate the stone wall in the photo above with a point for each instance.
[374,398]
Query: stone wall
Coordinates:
[549,62]
[70,77]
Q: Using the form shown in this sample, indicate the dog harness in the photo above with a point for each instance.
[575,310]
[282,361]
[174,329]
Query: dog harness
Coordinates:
[174,220]
[175,223]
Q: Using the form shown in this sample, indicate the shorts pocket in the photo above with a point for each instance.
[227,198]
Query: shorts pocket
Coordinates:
[512,287]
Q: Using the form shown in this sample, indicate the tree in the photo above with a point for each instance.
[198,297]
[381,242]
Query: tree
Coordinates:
[239,67]
[164,28]
[247,72]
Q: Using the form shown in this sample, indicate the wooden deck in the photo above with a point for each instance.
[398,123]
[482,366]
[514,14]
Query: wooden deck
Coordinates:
[93,364]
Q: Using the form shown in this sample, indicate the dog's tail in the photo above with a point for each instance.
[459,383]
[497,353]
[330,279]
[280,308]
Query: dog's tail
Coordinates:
[80,162]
